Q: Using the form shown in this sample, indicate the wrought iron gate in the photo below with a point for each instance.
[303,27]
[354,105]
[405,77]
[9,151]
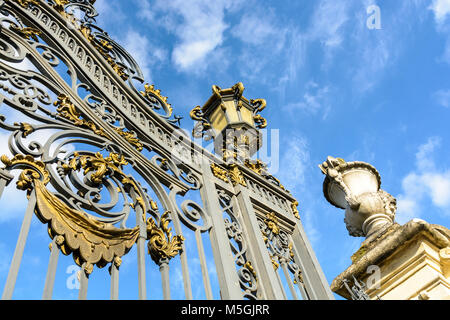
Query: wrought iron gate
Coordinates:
[114,173]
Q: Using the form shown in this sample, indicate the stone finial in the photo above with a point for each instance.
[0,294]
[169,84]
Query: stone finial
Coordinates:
[355,187]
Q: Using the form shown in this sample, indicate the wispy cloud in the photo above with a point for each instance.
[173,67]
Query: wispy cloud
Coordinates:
[199,28]
[426,182]
[315,99]
[441,10]
[328,21]
[442,97]
[147,55]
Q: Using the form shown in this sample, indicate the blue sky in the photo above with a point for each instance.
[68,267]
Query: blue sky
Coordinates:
[333,87]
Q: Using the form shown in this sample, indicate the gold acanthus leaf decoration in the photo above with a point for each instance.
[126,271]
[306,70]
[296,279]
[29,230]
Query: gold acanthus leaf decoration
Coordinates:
[89,240]
[294,205]
[27,32]
[103,167]
[25,127]
[161,245]
[219,172]
[236,175]
[131,138]
[32,170]
[104,48]
[257,167]
[100,166]
[271,222]
[67,110]
[151,91]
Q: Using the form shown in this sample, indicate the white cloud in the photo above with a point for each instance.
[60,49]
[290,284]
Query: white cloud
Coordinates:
[442,97]
[255,28]
[199,27]
[426,182]
[145,53]
[441,9]
[315,99]
[328,21]
[295,162]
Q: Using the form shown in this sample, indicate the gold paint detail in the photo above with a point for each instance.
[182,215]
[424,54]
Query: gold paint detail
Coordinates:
[153,205]
[272,223]
[97,243]
[26,128]
[259,105]
[117,261]
[260,121]
[162,245]
[131,138]
[248,265]
[67,110]
[27,32]
[104,48]
[294,205]
[275,264]
[258,167]
[25,3]
[236,175]
[150,90]
[32,170]
[90,241]
[300,278]
[220,173]
[100,165]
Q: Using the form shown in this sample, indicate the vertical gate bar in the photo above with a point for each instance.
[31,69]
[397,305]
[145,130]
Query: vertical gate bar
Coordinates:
[301,286]
[114,272]
[20,246]
[164,270]
[316,284]
[84,278]
[183,256]
[223,257]
[205,273]
[51,271]
[281,285]
[140,247]
[262,259]
[249,254]
[289,280]
[141,268]
[5,179]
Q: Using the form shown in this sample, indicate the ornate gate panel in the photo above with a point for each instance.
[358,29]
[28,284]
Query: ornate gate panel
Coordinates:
[114,172]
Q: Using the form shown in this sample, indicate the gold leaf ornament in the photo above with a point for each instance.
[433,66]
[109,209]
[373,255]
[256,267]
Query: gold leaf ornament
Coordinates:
[161,245]
[89,240]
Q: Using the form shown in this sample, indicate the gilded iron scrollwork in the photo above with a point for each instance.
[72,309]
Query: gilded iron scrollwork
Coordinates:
[279,246]
[162,246]
[247,274]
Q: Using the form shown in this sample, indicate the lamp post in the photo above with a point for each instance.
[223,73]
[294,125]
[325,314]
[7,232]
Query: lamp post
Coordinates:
[232,121]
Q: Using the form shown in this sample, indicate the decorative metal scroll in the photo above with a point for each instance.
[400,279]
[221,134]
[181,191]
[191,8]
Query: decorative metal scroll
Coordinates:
[89,184]
[280,248]
[247,275]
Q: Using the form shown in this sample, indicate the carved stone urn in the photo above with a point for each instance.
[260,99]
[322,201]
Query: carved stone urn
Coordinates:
[355,187]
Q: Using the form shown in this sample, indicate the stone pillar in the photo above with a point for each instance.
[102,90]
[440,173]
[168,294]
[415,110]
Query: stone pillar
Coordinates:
[395,262]
[406,262]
